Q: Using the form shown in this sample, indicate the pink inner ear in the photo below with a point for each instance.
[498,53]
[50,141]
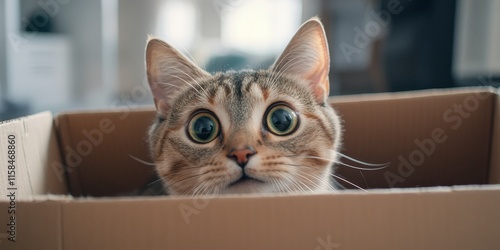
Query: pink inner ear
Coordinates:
[162,106]
[319,83]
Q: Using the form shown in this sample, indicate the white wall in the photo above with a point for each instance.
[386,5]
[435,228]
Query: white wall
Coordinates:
[477,36]
[3,78]
[81,21]
[136,20]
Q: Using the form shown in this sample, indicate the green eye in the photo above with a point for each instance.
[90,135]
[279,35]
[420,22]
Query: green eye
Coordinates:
[281,120]
[203,128]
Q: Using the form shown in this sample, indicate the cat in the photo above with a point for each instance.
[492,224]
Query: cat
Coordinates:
[262,131]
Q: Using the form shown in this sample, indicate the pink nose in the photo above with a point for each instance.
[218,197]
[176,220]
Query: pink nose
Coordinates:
[241,155]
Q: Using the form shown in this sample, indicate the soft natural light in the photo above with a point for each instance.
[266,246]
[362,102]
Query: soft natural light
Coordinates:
[177,23]
[261,26]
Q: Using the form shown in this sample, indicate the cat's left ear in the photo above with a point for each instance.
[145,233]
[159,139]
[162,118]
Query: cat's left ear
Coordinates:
[307,57]
[169,72]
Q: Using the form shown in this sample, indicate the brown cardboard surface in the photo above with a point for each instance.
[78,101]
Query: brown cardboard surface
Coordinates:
[437,219]
[98,148]
[38,225]
[427,141]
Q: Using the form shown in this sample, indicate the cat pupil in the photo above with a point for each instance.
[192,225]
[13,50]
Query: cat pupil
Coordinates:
[203,127]
[282,119]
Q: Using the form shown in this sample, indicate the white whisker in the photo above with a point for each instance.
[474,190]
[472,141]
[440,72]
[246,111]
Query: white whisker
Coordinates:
[281,69]
[162,191]
[192,58]
[198,188]
[284,186]
[153,182]
[343,163]
[364,179]
[276,76]
[277,66]
[142,161]
[277,184]
[361,168]
[322,181]
[188,83]
[172,85]
[292,181]
[362,162]
[354,185]
[182,180]
[315,177]
[307,186]
[301,183]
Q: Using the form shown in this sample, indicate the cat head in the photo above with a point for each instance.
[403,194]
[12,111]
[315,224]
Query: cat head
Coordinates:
[263,131]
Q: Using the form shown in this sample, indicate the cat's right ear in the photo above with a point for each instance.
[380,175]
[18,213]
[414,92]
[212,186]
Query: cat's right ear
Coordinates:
[169,72]
[307,57]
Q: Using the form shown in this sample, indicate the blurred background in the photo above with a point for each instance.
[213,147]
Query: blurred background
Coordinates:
[62,55]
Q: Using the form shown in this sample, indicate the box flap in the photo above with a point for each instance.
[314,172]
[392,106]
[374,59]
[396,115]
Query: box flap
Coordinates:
[431,138]
[433,218]
[33,141]
[408,219]
[495,144]
[100,150]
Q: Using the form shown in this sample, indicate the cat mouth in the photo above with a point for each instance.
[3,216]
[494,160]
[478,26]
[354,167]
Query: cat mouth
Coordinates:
[244,179]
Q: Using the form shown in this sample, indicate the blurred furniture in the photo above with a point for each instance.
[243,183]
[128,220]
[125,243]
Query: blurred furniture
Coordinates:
[418,49]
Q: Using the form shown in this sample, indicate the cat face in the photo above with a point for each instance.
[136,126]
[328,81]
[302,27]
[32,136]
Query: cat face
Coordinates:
[263,131]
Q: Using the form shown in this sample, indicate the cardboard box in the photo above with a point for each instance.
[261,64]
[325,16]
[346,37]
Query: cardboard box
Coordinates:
[441,190]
